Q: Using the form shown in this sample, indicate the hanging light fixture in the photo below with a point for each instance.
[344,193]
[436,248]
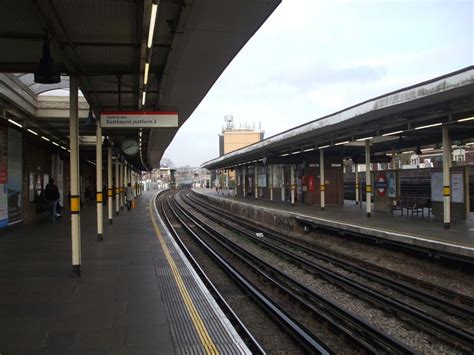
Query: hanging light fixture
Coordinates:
[106,142]
[90,121]
[46,73]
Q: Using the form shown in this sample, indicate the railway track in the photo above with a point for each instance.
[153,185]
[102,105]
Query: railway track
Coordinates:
[357,334]
[434,295]
[451,333]
[305,339]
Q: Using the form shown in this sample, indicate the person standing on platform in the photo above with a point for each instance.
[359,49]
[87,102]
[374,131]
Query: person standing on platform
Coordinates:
[51,193]
[129,196]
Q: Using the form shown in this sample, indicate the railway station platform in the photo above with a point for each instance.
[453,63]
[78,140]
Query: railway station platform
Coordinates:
[136,293]
[416,233]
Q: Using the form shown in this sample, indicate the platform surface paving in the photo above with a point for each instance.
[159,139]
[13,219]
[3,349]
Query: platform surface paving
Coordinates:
[118,306]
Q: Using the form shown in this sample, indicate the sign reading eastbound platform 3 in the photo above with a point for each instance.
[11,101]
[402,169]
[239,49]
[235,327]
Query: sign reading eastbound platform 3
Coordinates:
[138,119]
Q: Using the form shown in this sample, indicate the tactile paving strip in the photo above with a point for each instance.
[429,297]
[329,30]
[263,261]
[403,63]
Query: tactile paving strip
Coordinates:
[183,330]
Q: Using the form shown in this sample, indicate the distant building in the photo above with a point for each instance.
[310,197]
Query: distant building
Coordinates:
[162,178]
[232,138]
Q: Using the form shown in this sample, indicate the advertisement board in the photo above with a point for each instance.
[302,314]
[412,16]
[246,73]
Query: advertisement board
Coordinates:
[457,186]
[3,176]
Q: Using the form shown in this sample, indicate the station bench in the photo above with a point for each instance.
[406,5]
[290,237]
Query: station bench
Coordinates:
[412,205]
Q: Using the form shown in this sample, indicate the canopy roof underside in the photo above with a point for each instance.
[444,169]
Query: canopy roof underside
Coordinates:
[103,43]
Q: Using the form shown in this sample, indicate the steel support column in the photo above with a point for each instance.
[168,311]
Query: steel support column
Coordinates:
[255,178]
[117,185]
[282,184]
[357,198]
[121,165]
[271,182]
[74,178]
[368,180]
[244,192]
[446,178]
[322,183]
[292,183]
[125,167]
[99,183]
[110,189]
[227,181]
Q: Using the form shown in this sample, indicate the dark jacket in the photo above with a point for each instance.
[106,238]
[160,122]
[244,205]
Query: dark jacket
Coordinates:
[51,192]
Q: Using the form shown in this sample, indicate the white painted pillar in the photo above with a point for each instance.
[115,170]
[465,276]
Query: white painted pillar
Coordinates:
[271,182]
[357,198]
[74,172]
[117,185]
[244,192]
[99,183]
[236,177]
[121,165]
[322,184]
[446,178]
[255,183]
[368,180]
[110,189]
[293,184]
[125,167]
[227,182]
[282,183]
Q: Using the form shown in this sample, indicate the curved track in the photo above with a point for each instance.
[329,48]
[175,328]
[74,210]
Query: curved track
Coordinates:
[356,333]
[429,294]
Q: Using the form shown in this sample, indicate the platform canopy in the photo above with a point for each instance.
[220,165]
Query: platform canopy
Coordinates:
[409,118]
[104,43]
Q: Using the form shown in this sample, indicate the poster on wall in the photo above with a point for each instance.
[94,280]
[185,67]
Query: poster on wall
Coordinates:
[457,187]
[3,176]
[392,184]
[15,174]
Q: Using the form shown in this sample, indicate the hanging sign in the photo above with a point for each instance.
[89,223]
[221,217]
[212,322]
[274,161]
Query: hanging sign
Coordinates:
[138,119]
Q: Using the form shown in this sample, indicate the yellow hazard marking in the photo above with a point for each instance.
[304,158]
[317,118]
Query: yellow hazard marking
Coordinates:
[368,189]
[110,192]
[321,187]
[75,204]
[117,190]
[446,190]
[201,329]
[99,197]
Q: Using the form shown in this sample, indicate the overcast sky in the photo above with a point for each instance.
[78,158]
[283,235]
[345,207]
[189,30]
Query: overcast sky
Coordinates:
[312,58]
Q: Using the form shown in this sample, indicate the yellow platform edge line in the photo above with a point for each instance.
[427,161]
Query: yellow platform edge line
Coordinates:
[201,329]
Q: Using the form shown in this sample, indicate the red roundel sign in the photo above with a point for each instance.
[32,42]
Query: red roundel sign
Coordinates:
[381,184]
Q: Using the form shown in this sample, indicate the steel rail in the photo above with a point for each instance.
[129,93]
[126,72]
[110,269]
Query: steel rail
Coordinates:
[370,338]
[463,310]
[436,325]
[296,330]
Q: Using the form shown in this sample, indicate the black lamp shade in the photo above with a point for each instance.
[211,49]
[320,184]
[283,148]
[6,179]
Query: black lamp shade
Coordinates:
[46,73]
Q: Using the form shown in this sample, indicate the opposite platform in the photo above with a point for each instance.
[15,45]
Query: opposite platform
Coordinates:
[126,301]
[416,232]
